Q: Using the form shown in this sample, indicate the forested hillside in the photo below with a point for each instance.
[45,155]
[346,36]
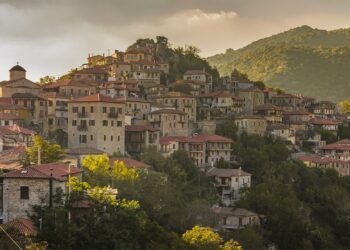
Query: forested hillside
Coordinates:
[302,60]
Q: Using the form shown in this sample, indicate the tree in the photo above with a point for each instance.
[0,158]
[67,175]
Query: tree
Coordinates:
[344,106]
[162,40]
[227,129]
[49,152]
[182,87]
[202,238]
[47,79]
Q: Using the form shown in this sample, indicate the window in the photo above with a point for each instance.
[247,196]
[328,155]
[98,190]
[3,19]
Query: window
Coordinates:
[75,109]
[74,123]
[104,109]
[24,193]
[119,123]
[92,109]
[111,137]
[41,104]
[105,123]
[82,139]
[91,137]
[91,122]
[104,138]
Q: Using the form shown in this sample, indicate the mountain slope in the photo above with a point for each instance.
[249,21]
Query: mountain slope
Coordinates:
[302,60]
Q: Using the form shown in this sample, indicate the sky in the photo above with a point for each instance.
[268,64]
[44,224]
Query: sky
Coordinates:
[49,37]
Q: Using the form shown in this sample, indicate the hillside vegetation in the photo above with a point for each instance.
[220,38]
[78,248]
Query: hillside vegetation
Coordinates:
[302,60]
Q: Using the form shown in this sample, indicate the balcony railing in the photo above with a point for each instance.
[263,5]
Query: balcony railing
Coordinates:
[82,128]
[82,115]
[113,115]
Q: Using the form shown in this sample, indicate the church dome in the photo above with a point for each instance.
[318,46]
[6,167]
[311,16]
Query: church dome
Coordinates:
[17,68]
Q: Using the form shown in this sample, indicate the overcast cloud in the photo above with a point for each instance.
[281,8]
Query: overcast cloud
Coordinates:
[48,37]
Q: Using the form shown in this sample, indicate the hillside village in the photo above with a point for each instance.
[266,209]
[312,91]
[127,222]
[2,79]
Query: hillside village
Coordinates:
[127,103]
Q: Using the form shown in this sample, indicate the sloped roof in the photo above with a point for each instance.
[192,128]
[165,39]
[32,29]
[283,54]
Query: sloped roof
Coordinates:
[340,145]
[96,98]
[219,93]
[18,129]
[59,172]
[226,172]
[5,116]
[94,70]
[239,212]
[168,111]
[196,72]
[319,121]
[267,106]
[24,226]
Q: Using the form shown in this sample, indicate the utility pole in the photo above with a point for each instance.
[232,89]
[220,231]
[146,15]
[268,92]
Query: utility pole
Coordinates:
[39,155]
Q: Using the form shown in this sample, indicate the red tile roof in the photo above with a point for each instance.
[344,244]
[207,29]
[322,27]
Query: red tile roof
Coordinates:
[4,116]
[95,70]
[23,225]
[168,111]
[226,172]
[18,129]
[340,145]
[319,159]
[96,98]
[319,121]
[131,163]
[59,172]
[194,139]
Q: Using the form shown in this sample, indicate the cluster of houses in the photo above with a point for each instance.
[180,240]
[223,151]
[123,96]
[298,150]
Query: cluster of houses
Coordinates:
[118,104]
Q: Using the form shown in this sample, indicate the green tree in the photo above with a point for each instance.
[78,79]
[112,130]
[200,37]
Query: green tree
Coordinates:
[49,152]
[47,79]
[202,238]
[227,129]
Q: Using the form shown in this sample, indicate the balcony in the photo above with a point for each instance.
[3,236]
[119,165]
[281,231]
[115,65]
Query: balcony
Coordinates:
[82,115]
[82,128]
[112,115]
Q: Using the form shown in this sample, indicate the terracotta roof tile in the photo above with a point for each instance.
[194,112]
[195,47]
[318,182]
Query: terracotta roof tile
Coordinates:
[96,98]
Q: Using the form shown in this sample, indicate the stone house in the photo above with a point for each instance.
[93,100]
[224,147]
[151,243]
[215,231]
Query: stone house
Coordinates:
[271,113]
[120,88]
[327,162]
[338,150]
[180,101]
[137,108]
[155,90]
[38,110]
[251,124]
[18,83]
[282,131]
[252,98]
[96,74]
[34,185]
[72,88]
[199,76]
[97,121]
[57,111]
[222,101]
[14,136]
[229,183]
[137,54]
[206,150]
[324,124]
[170,122]
[234,218]
[10,120]
[287,101]
[146,77]
[140,137]
[324,109]
[120,70]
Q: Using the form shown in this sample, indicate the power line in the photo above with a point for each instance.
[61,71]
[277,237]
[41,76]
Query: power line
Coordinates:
[19,247]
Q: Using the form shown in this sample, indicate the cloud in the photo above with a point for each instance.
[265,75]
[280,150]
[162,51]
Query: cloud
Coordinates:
[48,37]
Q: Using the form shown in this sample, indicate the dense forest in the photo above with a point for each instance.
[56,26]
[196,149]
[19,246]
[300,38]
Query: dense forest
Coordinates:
[301,60]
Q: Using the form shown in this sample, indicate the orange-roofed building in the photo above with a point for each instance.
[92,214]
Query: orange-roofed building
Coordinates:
[206,150]
[97,121]
[34,185]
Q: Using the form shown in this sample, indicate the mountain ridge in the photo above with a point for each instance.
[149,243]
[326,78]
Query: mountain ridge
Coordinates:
[301,60]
